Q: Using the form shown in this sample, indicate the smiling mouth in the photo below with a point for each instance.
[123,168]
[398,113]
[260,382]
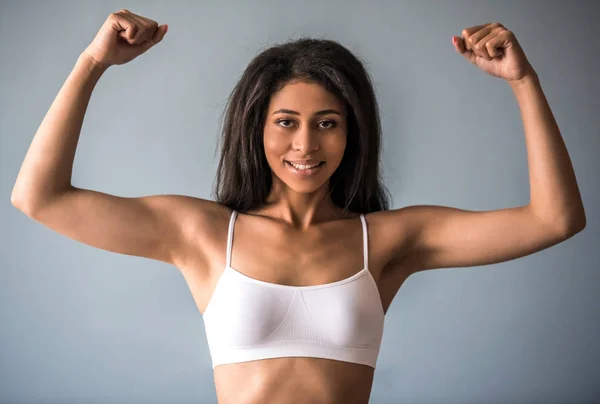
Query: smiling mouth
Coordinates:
[311,166]
[304,172]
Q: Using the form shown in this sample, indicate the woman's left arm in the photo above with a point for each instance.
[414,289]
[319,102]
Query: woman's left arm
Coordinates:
[440,236]
[554,194]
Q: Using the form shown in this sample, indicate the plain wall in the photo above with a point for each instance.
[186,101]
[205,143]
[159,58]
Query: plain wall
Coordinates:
[78,324]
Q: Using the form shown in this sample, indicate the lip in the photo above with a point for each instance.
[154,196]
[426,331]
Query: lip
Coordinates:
[304,173]
[305,162]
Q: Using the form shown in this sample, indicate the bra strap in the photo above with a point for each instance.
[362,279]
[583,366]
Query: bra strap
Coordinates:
[365,240]
[230,236]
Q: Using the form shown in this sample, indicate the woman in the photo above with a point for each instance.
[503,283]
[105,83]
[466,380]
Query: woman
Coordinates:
[294,309]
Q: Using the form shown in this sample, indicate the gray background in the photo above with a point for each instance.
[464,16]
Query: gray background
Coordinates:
[78,324]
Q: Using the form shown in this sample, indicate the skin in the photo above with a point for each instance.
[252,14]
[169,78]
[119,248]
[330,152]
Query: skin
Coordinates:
[298,232]
[298,216]
[299,135]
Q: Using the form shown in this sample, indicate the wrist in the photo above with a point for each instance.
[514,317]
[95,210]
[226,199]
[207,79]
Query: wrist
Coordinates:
[92,64]
[529,78]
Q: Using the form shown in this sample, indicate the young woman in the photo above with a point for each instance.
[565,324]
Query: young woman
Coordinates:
[294,304]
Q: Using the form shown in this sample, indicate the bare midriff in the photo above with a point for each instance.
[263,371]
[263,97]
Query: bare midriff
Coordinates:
[293,381]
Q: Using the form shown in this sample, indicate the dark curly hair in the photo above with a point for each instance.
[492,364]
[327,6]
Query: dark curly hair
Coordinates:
[244,177]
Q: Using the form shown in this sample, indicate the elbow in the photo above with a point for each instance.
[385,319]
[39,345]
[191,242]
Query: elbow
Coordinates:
[25,203]
[31,203]
[572,226]
[563,225]
[20,198]
[16,200]
[577,221]
[579,225]
[22,204]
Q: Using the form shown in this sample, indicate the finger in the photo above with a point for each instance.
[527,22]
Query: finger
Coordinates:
[474,42]
[158,36]
[142,28]
[148,28]
[468,50]
[460,46]
[485,45]
[126,27]
[498,43]
[467,32]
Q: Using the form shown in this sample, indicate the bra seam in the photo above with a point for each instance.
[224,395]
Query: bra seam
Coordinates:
[349,279]
[292,287]
[323,333]
[282,320]
[304,342]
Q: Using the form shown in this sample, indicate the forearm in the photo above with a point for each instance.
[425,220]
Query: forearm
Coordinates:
[47,167]
[554,194]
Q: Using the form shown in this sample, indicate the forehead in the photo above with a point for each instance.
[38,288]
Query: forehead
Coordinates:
[304,97]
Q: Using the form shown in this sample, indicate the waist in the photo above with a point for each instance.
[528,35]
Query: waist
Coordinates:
[294,380]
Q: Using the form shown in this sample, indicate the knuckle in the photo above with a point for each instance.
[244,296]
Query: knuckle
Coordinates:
[133,32]
[117,13]
[146,29]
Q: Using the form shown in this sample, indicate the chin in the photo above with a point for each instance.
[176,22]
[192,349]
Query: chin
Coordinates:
[303,185]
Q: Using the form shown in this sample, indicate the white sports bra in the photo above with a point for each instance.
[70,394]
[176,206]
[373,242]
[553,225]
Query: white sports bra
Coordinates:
[247,319]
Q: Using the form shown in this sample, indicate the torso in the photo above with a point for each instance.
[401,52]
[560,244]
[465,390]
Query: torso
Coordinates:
[261,248]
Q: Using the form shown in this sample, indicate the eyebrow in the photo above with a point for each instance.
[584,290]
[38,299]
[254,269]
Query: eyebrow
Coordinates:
[323,112]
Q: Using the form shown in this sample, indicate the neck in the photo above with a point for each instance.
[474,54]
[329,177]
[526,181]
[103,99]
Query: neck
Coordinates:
[301,210]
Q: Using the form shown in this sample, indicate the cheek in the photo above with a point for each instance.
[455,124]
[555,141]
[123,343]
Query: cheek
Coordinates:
[336,148]
[274,146]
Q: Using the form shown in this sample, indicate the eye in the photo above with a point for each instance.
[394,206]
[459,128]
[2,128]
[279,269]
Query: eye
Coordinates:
[331,124]
[287,123]
[283,120]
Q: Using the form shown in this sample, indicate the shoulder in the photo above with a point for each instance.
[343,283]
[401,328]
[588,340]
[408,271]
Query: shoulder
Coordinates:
[390,232]
[194,213]
[203,225]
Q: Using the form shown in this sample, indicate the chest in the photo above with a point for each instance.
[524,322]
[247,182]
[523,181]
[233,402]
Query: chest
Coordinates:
[266,252]
[246,312]
[294,258]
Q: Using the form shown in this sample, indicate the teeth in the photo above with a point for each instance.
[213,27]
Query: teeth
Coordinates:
[303,167]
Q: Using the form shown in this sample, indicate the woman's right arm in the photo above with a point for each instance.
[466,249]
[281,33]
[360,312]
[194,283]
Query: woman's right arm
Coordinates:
[155,227]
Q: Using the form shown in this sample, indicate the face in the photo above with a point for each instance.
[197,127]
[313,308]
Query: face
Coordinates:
[306,125]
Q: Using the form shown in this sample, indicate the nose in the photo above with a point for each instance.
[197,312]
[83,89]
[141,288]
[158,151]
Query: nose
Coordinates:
[306,140]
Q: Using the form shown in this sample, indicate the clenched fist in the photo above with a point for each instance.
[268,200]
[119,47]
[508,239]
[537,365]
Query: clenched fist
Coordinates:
[123,37]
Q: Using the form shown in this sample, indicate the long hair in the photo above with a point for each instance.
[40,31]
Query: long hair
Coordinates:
[244,178]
